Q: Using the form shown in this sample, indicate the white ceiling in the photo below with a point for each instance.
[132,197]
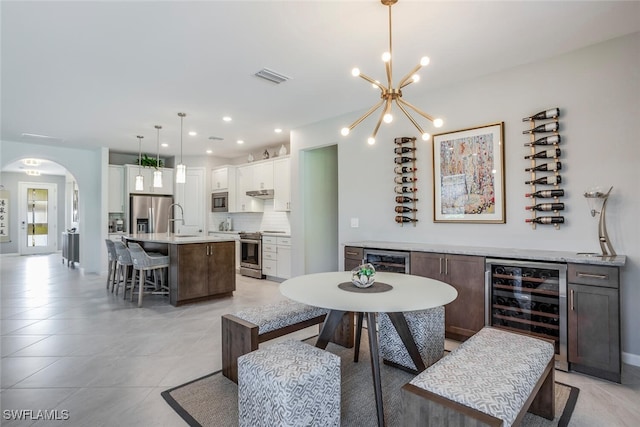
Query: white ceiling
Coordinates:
[91,74]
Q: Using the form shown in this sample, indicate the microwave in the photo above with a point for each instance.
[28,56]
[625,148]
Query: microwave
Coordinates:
[220,202]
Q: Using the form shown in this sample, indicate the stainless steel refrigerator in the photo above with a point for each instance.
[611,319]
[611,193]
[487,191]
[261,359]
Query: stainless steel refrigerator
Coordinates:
[149,214]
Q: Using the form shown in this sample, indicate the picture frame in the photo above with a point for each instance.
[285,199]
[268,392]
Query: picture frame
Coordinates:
[468,175]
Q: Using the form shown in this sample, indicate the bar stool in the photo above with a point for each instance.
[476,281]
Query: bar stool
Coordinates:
[142,263]
[122,268]
[112,263]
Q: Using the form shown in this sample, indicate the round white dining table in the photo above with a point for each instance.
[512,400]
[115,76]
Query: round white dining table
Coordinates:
[392,293]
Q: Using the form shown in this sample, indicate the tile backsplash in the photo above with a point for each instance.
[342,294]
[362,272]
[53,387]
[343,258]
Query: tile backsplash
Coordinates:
[269,220]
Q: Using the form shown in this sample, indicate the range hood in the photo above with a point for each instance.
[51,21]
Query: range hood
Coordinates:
[261,194]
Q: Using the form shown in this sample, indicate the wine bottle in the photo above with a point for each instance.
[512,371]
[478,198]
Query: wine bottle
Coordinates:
[546,220]
[547,154]
[404,169]
[547,127]
[400,219]
[546,180]
[402,209]
[548,114]
[403,179]
[546,207]
[547,140]
[546,194]
[405,199]
[403,140]
[401,189]
[546,167]
[402,150]
[403,159]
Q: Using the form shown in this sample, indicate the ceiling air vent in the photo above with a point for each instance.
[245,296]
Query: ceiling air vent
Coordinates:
[272,76]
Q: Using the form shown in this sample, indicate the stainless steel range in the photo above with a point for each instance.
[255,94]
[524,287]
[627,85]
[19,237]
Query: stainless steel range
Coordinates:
[251,255]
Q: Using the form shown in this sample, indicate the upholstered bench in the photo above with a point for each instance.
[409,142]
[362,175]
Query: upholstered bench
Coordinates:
[243,331]
[427,329]
[289,384]
[491,379]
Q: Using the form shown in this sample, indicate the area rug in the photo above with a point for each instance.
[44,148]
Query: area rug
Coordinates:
[213,399]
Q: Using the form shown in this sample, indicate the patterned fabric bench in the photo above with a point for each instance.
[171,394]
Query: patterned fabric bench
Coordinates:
[491,379]
[289,384]
[242,332]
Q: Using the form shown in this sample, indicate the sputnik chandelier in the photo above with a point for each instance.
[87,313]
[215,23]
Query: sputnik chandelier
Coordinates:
[389,94]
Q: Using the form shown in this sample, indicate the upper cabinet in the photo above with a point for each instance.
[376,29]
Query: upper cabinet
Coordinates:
[147,173]
[224,179]
[245,182]
[262,175]
[220,179]
[282,184]
[116,189]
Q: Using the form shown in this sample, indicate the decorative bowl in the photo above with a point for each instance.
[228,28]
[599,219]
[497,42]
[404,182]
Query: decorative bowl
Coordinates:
[363,275]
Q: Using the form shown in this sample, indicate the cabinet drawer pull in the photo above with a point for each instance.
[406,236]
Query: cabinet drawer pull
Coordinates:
[440,265]
[571,307]
[593,276]
[446,266]
[352,253]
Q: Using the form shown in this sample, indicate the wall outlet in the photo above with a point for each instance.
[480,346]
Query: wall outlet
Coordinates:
[355,222]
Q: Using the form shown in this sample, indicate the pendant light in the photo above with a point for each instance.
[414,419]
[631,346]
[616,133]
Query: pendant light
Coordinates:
[157,174]
[139,177]
[181,169]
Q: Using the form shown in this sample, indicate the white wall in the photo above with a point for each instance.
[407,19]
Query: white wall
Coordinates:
[598,92]
[89,167]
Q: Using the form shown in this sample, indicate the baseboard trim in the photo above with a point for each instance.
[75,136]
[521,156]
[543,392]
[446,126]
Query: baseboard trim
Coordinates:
[631,359]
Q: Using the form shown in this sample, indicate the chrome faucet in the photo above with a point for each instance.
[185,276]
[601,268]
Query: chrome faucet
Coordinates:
[170,220]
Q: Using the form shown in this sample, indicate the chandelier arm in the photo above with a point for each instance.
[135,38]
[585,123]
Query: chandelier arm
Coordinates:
[373,82]
[367,114]
[403,82]
[389,66]
[387,107]
[406,113]
[375,130]
[416,109]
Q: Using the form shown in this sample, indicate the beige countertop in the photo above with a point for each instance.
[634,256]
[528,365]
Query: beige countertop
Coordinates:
[175,239]
[510,253]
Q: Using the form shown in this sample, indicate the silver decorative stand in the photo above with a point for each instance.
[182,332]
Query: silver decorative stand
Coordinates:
[603,236]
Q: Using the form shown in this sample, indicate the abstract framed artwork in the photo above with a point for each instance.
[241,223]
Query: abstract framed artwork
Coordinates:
[468,175]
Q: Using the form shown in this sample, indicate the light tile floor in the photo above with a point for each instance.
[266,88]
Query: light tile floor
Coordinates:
[69,345]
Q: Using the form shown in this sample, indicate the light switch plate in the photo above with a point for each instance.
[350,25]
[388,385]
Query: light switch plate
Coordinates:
[355,222]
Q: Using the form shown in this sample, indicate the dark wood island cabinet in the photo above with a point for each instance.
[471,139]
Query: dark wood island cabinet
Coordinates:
[200,268]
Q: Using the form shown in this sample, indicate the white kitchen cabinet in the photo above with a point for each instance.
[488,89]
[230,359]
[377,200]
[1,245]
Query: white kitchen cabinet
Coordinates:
[262,177]
[220,179]
[282,184]
[244,183]
[276,256]
[116,189]
[147,173]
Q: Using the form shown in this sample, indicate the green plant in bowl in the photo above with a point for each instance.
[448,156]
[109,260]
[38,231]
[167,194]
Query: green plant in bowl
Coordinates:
[363,275]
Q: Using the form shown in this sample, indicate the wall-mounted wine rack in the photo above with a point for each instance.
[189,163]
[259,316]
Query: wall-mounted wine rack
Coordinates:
[544,170]
[405,180]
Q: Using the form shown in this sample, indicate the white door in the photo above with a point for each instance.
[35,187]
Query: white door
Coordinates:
[38,213]
[191,196]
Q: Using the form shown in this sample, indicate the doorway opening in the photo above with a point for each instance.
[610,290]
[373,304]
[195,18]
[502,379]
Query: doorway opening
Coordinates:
[38,217]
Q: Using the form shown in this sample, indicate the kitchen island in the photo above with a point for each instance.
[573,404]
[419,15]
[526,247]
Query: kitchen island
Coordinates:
[200,267]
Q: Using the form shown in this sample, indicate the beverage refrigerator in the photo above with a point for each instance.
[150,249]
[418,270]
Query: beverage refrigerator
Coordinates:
[530,298]
[149,214]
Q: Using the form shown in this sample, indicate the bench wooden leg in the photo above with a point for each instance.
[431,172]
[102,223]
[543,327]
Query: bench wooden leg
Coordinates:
[544,404]
[239,337]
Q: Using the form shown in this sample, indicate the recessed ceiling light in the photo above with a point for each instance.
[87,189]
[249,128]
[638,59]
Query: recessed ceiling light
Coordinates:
[209,151]
[240,141]
[32,172]
[31,162]
[164,144]
[277,130]
[226,118]
[193,133]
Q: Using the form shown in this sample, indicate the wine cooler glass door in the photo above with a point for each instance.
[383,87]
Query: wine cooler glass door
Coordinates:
[529,298]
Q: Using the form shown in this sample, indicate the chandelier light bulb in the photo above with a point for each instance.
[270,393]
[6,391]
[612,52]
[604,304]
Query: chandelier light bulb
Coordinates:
[374,85]
[371,140]
[426,136]
[388,118]
[424,61]
[415,78]
[386,57]
[139,183]
[355,72]
[344,131]
[438,123]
